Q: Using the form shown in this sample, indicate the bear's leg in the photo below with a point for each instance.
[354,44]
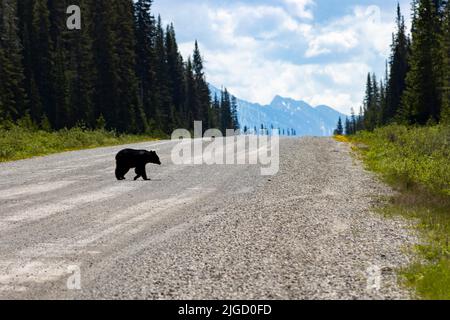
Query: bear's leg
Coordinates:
[144,174]
[121,172]
[138,173]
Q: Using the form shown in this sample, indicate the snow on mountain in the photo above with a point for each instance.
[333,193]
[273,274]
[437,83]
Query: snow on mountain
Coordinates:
[286,113]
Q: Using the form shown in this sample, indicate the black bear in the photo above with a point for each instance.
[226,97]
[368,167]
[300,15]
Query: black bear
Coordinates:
[129,158]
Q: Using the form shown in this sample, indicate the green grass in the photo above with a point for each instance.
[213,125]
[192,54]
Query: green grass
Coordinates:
[416,162]
[19,142]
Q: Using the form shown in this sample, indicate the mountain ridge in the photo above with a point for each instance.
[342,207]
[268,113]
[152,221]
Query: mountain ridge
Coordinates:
[286,114]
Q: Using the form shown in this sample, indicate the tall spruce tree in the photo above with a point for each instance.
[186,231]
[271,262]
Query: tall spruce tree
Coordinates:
[369,102]
[106,59]
[145,29]
[226,115]
[398,68]
[215,118]
[445,47]
[354,122]
[81,72]
[191,97]
[348,126]
[130,116]
[234,114]
[204,97]
[42,64]
[422,101]
[163,101]
[12,93]
[339,128]
[175,71]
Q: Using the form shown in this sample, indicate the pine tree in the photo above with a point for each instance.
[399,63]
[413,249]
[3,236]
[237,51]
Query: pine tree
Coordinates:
[226,115]
[191,98]
[445,47]
[354,122]
[130,116]
[382,103]
[163,102]
[376,103]
[215,119]
[106,59]
[42,61]
[398,67]
[234,114]
[25,21]
[371,103]
[340,128]
[347,127]
[202,89]
[360,120]
[421,101]
[145,30]
[175,70]
[12,94]
[81,71]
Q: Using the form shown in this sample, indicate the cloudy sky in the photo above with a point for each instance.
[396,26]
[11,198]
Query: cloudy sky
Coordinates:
[319,51]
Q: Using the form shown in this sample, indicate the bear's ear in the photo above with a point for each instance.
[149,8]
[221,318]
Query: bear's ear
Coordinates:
[153,152]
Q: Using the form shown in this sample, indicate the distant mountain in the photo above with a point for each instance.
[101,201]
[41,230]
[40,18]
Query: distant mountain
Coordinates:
[286,113]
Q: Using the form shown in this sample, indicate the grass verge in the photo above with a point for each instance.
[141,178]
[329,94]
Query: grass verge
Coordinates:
[416,162]
[18,142]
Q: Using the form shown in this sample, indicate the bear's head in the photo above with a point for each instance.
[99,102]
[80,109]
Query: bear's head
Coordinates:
[152,157]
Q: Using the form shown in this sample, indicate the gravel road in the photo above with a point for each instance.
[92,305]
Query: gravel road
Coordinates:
[198,232]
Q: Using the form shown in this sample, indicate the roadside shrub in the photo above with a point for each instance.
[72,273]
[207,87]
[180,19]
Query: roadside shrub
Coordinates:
[410,156]
[24,140]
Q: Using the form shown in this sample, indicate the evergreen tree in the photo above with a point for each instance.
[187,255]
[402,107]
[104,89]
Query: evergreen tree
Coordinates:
[42,93]
[204,101]
[106,59]
[445,47]
[360,120]
[163,102]
[347,127]
[340,128]
[234,114]
[353,122]
[145,29]
[421,101]
[191,98]
[176,78]
[226,115]
[215,119]
[370,103]
[129,114]
[81,71]
[12,93]
[376,102]
[398,67]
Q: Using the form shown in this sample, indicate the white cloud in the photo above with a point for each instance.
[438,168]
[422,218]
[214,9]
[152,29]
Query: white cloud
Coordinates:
[364,28]
[301,8]
[260,50]
[254,78]
[331,42]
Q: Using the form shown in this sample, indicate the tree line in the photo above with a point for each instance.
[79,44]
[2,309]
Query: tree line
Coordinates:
[122,71]
[269,130]
[415,89]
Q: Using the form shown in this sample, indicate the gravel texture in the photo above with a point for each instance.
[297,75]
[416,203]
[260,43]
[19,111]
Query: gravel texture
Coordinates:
[199,232]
